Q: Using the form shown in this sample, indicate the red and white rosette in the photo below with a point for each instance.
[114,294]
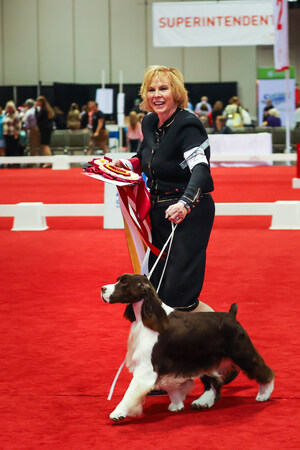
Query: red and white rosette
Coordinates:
[103,170]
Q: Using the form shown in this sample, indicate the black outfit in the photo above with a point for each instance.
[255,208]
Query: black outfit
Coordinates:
[265,112]
[45,125]
[96,116]
[160,154]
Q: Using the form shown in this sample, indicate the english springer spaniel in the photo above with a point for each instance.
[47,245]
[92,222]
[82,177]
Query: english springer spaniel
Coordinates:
[167,349]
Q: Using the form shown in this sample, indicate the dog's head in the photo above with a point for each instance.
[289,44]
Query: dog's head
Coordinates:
[128,289]
[131,289]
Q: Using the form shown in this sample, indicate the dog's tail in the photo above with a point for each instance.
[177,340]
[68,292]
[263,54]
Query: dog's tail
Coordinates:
[233,309]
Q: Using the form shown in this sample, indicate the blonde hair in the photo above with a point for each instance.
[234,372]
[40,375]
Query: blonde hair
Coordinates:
[46,105]
[274,112]
[133,119]
[179,92]
[12,104]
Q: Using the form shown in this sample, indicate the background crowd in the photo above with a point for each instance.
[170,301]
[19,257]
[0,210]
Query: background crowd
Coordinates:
[31,125]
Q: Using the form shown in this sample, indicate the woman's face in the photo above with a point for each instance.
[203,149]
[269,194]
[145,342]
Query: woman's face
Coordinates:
[160,97]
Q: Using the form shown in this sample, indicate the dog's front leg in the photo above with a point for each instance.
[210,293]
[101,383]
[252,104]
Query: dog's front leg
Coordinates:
[132,402]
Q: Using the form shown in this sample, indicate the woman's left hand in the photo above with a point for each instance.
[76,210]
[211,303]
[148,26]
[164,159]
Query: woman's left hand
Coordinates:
[176,213]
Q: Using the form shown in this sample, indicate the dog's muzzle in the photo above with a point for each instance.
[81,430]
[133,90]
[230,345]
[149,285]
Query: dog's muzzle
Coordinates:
[106,292]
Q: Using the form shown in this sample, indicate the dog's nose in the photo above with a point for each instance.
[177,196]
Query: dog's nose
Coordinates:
[103,290]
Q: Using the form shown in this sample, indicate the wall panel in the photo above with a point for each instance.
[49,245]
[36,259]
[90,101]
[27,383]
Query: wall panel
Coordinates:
[201,64]
[239,64]
[91,38]
[165,56]
[19,42]
[1,43]
[128,40]
[55,30]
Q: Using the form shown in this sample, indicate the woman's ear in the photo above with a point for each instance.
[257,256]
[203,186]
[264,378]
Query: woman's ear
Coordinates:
[153,314]
[129,313]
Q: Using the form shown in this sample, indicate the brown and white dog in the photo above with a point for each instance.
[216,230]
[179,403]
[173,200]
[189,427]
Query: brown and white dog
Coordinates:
[167,349]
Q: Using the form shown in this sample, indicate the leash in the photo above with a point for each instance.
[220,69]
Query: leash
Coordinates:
[170,239]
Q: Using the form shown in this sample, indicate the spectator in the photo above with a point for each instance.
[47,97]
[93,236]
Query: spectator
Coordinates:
[59,119]
[205,116]
[134,132]
[204,100]
[11,130]
[136,105]
[267,108]
[73,117]
[44,114]
[217,111]
[2,140]
[31,127]
[233,113]
[221,127]
[94,119]
[273,119]
[297,116]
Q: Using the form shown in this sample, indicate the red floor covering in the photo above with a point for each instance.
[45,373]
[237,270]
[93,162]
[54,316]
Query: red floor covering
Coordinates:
[60,345]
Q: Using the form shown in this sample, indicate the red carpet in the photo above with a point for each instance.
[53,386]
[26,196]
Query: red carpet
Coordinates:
[60,345]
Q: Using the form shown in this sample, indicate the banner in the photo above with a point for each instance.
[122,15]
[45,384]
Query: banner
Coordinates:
[205,24]
[275,90]
[281,45]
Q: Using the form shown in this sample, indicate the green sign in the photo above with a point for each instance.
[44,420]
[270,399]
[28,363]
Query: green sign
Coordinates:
[269,73]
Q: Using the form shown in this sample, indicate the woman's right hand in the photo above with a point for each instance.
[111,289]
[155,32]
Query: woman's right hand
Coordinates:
[116,163]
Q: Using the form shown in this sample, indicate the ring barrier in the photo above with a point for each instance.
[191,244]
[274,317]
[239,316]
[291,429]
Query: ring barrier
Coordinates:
[31,216]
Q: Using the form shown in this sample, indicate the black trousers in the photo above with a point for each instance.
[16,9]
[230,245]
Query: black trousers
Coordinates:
[13,147]
[184,274]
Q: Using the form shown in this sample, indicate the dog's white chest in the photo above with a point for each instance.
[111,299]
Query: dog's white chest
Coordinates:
[140,344]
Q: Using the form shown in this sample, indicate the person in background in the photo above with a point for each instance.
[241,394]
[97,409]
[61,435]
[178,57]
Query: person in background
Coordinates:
[2,140]
[217,110]
[94,119]
[134,132]
[44,114]
[273,119]
[11,130]
[31,127]
[221,127]
[233,113]
[267,108]
[205,116]
[297,116]
[204,101]
[59,118]
[73,117]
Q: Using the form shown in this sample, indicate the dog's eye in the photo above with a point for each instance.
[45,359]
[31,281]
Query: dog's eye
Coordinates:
[123,283]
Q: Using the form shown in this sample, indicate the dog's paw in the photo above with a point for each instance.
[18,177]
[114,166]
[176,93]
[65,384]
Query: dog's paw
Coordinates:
[176,407]
[117,415]
[265,391]
[207,400]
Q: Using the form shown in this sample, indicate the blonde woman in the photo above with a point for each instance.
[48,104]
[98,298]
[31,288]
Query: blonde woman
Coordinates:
[174,155]
[134,132]
[44,115]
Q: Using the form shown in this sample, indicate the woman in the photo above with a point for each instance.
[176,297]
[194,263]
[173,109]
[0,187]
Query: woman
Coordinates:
[73,117]
[44,115]
[174,155]
[134,132]
[11,130]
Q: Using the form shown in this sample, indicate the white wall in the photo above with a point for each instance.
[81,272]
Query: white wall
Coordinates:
[75,40]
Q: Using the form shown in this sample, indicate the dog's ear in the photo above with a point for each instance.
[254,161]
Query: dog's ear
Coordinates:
[129,313]
[153,315]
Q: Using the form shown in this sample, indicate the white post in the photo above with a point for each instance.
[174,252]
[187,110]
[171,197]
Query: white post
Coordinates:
[118,112]
[287,122]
